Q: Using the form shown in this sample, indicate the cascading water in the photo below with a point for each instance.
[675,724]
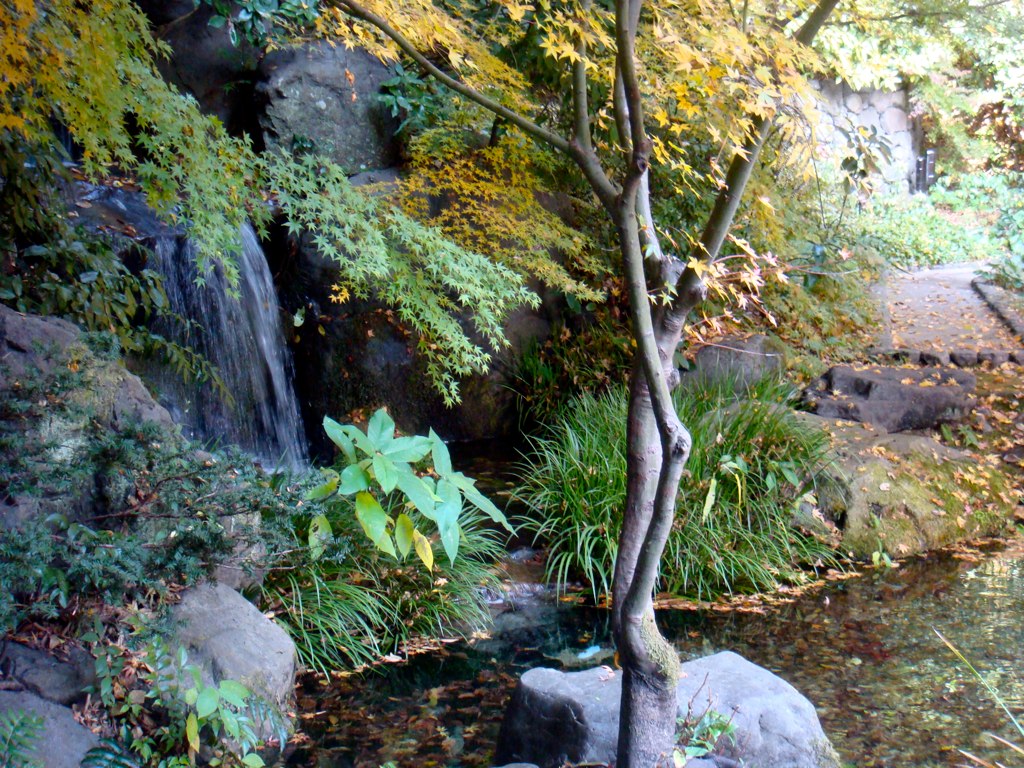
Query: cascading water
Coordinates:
[242,336]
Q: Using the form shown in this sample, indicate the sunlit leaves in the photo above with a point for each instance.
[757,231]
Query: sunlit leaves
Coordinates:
[426,277]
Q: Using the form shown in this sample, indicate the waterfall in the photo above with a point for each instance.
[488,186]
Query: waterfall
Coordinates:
[243,338]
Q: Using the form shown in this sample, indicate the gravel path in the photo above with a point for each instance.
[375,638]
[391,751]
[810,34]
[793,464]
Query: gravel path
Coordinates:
[937,310]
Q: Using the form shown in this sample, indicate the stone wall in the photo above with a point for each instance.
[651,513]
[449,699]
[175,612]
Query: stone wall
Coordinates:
[885,112]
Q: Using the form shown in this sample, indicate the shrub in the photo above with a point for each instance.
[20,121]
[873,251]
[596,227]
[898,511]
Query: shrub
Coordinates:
[1000,198]
[753,462]
[912,231]
[344,604]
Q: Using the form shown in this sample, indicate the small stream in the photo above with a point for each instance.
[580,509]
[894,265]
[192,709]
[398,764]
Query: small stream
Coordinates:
[864,650]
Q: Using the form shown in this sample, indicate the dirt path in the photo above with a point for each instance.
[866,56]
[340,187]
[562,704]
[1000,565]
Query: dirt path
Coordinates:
[937,310]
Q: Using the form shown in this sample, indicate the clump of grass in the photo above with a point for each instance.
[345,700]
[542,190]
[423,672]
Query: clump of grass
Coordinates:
[351,605]
[753,462]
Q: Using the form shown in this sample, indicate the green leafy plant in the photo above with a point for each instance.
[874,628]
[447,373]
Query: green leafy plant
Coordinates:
[346,604]
[702,736]
[754,462]
[409,97]
[591,357]
[168,714]
[913,232]
[380,464]
[19,731]
[123,514]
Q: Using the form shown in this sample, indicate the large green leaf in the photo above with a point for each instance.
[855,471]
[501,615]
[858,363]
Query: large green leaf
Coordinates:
[375,521]
[353,479]
[410,449]
[404,530]
[439,454]
[192,731]
[337,435]
[358,437]
[380,430]
[233,692]
[448,510]
[416,490]
[207,702]
[480,501]
[320,534]
[423,549]
[326,489]
[385,471]
[447,517]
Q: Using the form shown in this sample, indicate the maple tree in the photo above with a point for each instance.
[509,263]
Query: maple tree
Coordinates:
[671,62]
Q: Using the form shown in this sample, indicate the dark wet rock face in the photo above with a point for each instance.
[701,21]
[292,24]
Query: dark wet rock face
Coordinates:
[57,680]
[325,98]
[893,399]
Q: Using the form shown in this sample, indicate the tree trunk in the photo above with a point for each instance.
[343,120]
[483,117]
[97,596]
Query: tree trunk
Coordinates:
[657,449]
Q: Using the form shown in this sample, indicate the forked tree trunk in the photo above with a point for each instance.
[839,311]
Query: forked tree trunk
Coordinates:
[659,445]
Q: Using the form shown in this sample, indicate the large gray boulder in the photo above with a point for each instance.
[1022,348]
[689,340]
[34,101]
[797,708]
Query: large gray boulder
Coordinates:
[327,96]
[895,399]
[32,346]
[229,639]
[557,716]
[61,742]
[84,392]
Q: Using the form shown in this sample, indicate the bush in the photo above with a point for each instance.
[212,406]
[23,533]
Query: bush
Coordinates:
[913,232]
[1000,198]
[345,604]
[752,464]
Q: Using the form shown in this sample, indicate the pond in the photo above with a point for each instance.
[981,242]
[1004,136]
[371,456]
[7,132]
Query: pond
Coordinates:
[864,650]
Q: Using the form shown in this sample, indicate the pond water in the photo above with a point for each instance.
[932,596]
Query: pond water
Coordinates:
[864,650]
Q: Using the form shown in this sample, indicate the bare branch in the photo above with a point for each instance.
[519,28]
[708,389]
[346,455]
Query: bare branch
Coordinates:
[581,108]
[627,17]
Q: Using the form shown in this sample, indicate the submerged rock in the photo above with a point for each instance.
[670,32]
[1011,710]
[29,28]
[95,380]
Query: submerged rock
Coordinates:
[573,716]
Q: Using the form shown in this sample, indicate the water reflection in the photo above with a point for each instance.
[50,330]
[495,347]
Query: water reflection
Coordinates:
[863,650]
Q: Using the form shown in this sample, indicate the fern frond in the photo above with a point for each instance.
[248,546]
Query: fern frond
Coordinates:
[19,731]
[109,754]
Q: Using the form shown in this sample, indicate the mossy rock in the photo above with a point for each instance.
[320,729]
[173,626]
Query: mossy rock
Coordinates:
[903,494]
[58,400]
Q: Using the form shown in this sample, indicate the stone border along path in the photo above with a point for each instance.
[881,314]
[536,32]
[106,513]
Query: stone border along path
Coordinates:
[947,315]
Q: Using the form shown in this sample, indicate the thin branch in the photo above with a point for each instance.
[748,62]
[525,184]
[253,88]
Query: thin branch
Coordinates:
[627,16]
[689,289]
[586,159]
[579,91]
